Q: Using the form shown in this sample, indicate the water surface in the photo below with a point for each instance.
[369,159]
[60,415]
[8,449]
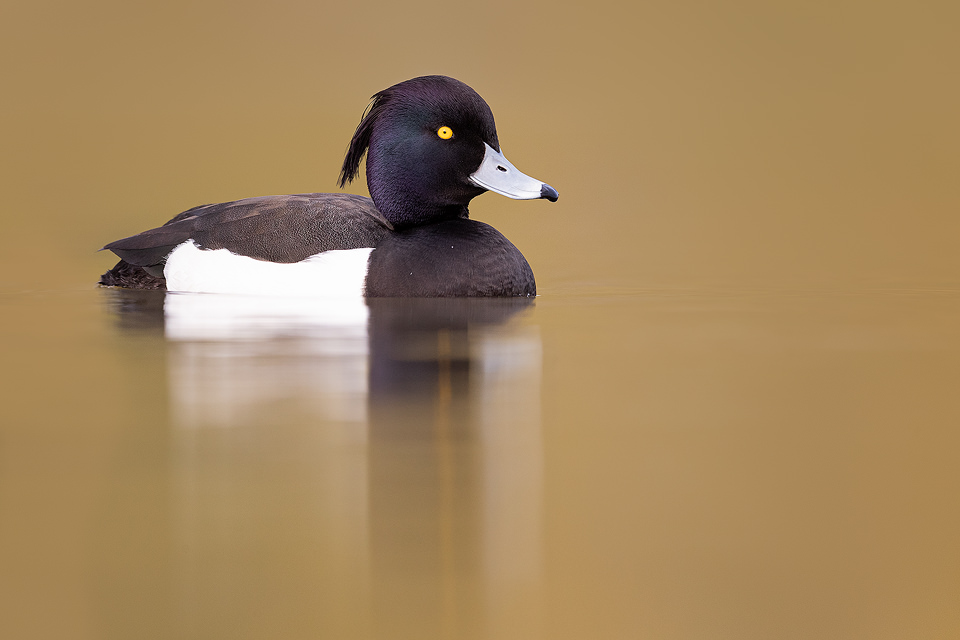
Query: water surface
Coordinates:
[617,464]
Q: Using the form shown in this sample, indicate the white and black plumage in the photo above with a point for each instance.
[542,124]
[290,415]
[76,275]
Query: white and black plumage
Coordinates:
[431,147]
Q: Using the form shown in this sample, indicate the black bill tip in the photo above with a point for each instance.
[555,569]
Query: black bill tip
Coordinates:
[548,192]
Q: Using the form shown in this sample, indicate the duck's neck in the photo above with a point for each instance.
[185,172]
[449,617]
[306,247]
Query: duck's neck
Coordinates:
[409,199]
[404,213]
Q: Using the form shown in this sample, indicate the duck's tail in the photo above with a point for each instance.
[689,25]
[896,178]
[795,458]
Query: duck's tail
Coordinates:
[130,276]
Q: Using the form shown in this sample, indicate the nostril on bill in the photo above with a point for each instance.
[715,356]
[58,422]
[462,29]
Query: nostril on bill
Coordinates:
[500,167]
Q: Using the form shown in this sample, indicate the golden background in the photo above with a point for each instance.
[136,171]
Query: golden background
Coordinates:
[729,143]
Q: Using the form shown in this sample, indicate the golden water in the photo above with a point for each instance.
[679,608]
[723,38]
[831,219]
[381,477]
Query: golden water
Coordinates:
[641,464]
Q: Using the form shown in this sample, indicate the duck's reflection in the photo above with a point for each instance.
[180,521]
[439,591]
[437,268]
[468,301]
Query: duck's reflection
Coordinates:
[393,447]
[238,360]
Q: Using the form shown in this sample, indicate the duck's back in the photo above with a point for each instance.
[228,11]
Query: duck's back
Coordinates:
[280,229]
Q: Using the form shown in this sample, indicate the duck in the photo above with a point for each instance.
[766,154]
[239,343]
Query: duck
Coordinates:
[431,146]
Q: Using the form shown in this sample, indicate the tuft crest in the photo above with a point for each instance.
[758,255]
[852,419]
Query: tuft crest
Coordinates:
[361,139]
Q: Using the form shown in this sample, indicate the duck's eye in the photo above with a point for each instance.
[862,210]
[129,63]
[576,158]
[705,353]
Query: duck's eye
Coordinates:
[445,132]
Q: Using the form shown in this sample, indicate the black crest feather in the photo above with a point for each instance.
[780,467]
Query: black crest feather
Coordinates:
[361,140]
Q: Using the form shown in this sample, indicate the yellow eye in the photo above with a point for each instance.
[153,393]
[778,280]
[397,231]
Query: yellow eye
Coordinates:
[445,132]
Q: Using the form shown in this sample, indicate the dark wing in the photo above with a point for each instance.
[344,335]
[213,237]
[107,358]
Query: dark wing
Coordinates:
[275,228]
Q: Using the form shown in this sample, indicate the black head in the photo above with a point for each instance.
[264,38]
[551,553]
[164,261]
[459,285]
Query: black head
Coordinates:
[423,139]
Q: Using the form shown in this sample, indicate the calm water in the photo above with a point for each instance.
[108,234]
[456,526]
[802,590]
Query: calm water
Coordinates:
[669,464]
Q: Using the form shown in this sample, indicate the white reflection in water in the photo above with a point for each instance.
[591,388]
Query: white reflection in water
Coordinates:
[225,318]
[444,398]
[234,355]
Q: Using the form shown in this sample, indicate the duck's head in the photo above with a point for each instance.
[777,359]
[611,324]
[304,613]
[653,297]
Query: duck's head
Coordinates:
[431,146]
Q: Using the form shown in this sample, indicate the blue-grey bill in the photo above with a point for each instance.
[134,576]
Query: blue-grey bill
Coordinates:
[498,174]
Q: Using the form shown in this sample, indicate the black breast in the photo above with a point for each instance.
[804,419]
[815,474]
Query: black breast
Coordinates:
[452,258]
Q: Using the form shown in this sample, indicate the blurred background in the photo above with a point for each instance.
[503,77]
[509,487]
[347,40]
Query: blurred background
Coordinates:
[734,142]
[731,413]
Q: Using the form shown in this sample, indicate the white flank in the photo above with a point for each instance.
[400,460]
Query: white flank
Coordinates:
[336,274]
